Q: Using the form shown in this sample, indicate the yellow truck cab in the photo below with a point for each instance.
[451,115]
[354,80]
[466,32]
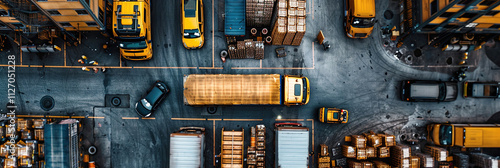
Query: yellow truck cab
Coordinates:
[132,28]
[192,24]
[333,115]
[359,18]
[465,135]
[296,90]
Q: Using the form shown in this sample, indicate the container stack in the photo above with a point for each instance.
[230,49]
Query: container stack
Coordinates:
[400,156]
[259,12]
[290,25]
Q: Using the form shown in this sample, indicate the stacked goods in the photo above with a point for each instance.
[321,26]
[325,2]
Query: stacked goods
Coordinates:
[361,154]
[400,156]
[259,49]
[358,141]
[380,164]
[371,152]
[426,160]
[461,160]
[383,152]
[259,12]
[240,49]
[367,164]
[261,146]
[249,48]
[373,140]
[349,151]
[323,157]
[232,149]
[279,28]
[414,162]
[484,160]
[354,164]
[388,140]
[246,49]
[439,154]
[291,31]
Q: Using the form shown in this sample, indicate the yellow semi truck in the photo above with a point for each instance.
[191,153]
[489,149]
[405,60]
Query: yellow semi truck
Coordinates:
[333,115]
[465,135]
[132,28]
[233,89]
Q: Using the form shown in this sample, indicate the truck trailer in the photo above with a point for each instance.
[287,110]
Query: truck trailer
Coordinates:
[292,145]
[235,89]
[465,135]
[186,147]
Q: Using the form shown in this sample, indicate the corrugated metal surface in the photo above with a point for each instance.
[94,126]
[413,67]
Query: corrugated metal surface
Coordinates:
[186,150]
[228,89]
[60,146]
[234,21]
[292,148]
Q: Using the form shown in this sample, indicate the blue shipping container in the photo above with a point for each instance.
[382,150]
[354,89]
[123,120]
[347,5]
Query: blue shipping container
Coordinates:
[234,22]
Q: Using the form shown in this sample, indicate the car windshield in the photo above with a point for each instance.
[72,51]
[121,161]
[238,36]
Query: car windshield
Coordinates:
[146,104]
[133,45]
[363,22]
[154,95]
[304,91]
[193,33]
[445,135]
[190,8]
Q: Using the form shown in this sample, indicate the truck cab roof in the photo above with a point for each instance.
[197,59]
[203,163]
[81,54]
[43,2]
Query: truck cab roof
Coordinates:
[364,8]
[128,19]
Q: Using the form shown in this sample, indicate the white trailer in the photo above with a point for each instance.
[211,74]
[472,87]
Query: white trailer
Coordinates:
[292,146]
[186,147]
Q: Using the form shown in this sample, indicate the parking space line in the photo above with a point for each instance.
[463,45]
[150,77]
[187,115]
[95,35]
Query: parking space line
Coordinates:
[30,116]
[289,119]
[210,67]
[152,118]
[130,118]
[242,119]
[189,119]
[96,117]
[213,36]
[214,119]
[213,139]
[20,48]
[64,48]
[57,116]
[143,67]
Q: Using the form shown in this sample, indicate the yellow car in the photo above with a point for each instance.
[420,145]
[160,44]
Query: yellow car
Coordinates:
[192,24]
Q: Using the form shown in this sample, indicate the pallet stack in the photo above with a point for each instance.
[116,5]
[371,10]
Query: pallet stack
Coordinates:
[439,154]
[426,161]
[232,149]
[290,25]
[259,12]
[484,160]
[461,160]
[246,49]
[400,156]
[256,152]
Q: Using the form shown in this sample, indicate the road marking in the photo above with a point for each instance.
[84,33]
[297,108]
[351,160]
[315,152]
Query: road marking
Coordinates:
[142,67]
[313,51]
[242,119]
[130,118]
[213,36]
[213,139]
[189,119]
[289,119]
[64,49]
[210,67]
[96,117]
[77,116]
[57,116]
[30,116]
[20,49]
[214,119]
[260,63]
[152,118]
[120,59]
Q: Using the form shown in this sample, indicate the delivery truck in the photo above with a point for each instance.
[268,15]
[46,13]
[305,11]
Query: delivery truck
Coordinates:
[292,145]
[465,135]
[186,147]
[332,115]
[235,89]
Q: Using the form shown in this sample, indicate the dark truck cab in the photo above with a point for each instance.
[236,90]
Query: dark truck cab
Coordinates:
[437,91]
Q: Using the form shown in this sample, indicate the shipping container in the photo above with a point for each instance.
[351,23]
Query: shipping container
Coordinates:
[186,147]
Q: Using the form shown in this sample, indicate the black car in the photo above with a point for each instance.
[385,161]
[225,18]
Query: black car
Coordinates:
[413,90]
[155,95]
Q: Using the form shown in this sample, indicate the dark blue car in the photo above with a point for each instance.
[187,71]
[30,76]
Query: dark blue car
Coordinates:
[155,95]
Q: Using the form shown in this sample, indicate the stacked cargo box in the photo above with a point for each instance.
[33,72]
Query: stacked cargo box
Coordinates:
[29,150]
[368,146]
[261,146]
[461,160]
[484,160]
[259,12]
[290,25]
[439,154]
[246,49]
[426,161]
[232,149]
[400,156]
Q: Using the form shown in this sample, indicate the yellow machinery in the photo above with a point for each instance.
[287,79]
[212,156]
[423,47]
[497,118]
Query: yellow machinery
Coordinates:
[333,115]
[132,27]
[465,135]
[229,89]
[359,18]
[192,25]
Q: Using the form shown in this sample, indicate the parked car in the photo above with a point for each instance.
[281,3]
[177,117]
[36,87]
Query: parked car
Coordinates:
[332,115]
[155,95]
[481,89]
[192,23]
[413,90]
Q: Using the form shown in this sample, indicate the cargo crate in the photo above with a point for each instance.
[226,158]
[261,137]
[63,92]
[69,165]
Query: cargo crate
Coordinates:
[358,141]
[426,161]
[414,162]
[380,164]
[349,151]
[371,152]
[461,160]
[388,140]
[354,164]
[439,154]
[484,160]
[361,154]
[367,164]
[383,152]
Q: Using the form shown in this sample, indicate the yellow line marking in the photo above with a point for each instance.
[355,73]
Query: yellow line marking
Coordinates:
[313,9]
[269,68]
[58,116]
[213,36]
[136,67]
[64,50]
[130,118]
[260,63]
[289,119]
[214,119]
[210,68]
[152,118]
[97,117]
[213,139]
[30,116]
[195,119]
[313,52]
[242,119]
[120,59]
[310,119]
[77,116]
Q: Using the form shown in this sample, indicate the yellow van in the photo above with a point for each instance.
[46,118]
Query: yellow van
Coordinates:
[192,25]
[359,18]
